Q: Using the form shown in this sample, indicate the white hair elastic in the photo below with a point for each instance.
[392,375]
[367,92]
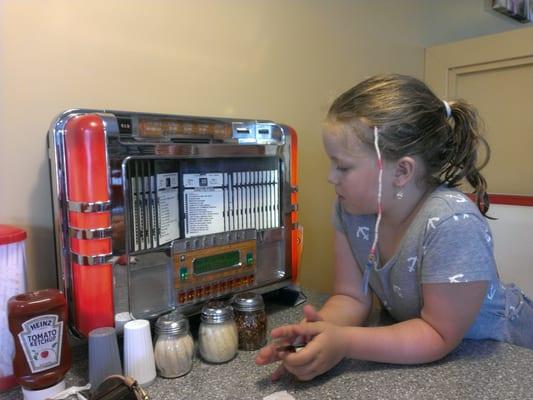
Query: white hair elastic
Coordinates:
[448,109]
[372,255]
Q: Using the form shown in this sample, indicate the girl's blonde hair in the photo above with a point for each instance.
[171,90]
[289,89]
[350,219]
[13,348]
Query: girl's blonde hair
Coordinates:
[413,121]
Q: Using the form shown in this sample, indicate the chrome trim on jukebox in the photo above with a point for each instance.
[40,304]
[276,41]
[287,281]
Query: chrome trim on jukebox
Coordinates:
[101,233]
[84,207]
[90,261]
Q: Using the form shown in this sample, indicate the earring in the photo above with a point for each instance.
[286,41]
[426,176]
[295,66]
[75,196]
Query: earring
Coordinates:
[399,195]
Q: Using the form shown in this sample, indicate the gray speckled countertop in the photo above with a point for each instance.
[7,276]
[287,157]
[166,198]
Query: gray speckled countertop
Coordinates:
[475,370]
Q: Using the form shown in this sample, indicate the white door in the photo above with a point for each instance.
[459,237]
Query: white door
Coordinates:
[495,73]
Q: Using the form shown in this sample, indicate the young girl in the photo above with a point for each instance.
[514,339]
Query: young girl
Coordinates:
[405,234]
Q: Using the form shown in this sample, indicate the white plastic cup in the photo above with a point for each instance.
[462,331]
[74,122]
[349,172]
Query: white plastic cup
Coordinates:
[139,360]
[122,319]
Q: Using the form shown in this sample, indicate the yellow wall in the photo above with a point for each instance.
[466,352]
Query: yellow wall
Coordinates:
[279,59]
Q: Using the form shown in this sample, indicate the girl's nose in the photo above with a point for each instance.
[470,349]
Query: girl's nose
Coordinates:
[332,176]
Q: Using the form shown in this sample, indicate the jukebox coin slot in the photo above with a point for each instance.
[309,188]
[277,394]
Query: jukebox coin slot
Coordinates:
[124,125]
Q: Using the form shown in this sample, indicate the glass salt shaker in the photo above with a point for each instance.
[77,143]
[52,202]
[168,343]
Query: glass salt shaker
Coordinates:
[251,320]
[217,334]
[174,346]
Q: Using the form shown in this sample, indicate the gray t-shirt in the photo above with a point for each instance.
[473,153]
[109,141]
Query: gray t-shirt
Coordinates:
[448,241]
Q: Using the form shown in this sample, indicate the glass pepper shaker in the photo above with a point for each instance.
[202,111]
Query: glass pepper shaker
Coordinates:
[174,345]
[217,334]
[251,320]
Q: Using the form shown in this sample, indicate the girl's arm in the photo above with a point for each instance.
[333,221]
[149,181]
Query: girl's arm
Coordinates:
[348,305]
[449,310]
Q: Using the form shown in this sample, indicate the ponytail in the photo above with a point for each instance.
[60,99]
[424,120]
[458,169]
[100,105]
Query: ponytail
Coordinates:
[461,159]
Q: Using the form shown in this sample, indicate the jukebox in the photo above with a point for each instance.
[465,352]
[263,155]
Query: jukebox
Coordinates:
[156,212]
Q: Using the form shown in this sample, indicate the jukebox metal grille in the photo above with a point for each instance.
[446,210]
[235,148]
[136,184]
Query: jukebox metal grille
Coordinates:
[153,203]
[145,232]
[171,199]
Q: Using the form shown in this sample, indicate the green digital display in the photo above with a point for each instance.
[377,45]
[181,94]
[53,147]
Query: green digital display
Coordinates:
[216,262]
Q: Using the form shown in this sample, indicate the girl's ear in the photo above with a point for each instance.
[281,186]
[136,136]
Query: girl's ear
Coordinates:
[404,171]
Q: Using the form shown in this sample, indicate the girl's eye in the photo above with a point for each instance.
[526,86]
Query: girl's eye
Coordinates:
[342,168]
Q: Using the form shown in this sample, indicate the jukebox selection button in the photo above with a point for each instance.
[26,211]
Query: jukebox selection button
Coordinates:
[190,295]
[249,258]
[182,297]
[199,292]
[183,273]
[225,239]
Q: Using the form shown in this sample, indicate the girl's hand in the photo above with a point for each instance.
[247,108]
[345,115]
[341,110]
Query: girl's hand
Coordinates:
[311,314]
[323,352]
[269,353]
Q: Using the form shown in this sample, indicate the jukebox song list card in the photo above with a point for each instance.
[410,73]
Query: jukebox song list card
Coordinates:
[168,210]
[203,199]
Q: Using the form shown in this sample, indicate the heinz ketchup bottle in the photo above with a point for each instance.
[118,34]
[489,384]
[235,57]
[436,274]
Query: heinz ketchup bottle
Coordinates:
[38,323]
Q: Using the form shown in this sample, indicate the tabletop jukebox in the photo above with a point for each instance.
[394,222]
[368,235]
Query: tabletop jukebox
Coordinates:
[155,212]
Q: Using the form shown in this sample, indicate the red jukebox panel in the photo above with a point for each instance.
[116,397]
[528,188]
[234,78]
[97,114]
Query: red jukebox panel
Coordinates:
[89,222]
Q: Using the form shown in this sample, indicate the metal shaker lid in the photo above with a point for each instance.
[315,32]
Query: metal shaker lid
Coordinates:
[173,323]
[215,312]
[248,301]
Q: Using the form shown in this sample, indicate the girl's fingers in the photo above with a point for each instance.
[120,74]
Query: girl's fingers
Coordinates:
[298,368]
[310,314]
[278,373]
[267,355]
[303,357]
[303,329]
[286,331]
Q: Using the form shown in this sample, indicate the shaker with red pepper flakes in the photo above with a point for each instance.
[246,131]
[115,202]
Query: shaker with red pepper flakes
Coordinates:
[251,320]
[38,324]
